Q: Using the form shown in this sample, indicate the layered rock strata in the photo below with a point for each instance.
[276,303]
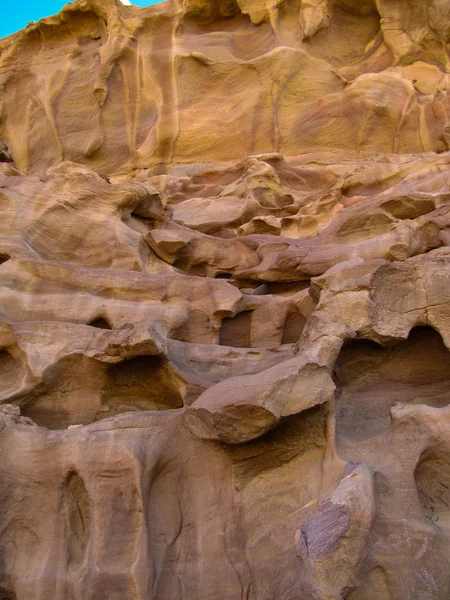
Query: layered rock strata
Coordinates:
[224,302]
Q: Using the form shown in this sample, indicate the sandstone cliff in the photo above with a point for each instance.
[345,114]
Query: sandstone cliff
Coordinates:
[225,302]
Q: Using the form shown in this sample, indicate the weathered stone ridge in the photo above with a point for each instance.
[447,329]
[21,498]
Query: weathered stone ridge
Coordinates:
[225,302]
[119,87]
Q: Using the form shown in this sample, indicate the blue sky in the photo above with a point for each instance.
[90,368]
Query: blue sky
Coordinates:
[17,13]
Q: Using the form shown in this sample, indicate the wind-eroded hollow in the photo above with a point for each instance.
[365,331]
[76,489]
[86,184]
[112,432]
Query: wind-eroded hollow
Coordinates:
[79,390]
[235,331]
[248,329]
[370,379]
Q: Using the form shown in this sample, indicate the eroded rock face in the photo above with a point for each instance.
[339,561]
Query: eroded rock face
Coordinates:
[201,80]
[225,302]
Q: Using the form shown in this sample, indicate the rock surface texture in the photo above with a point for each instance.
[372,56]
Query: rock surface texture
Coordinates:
[225,302]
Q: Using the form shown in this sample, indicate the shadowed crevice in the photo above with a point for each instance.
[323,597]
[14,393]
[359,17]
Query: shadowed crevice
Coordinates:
[100,323]
[7,594]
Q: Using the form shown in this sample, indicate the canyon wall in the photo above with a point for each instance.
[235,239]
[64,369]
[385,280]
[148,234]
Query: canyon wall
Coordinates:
[224,302]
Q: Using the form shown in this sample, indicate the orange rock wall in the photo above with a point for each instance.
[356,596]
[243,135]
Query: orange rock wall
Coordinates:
[119,88]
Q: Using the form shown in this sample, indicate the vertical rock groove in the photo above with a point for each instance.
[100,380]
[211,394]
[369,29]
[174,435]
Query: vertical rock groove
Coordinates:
[78,520]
